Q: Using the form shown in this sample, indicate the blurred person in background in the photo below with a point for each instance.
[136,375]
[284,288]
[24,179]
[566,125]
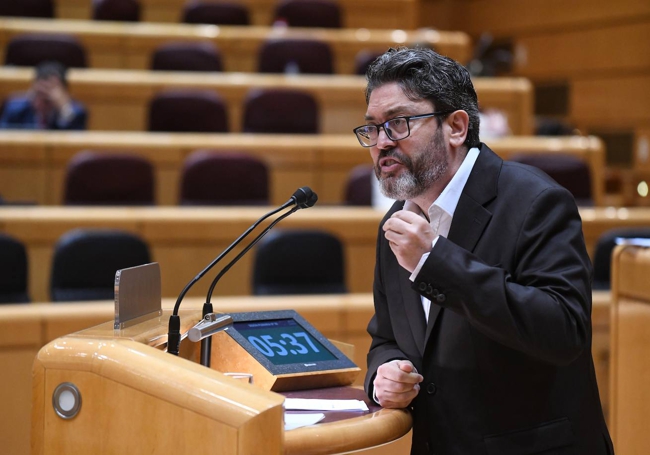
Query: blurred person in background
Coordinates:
[47,105]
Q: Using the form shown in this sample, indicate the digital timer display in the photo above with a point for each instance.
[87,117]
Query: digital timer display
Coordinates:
[283,341]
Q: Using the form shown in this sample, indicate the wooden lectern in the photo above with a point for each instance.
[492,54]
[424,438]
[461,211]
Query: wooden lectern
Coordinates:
[113,391]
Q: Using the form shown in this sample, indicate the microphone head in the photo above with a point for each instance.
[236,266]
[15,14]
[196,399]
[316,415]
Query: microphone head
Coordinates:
[312,200]
[304,197]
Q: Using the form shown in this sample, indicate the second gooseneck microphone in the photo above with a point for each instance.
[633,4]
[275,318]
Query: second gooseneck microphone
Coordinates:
[302,198]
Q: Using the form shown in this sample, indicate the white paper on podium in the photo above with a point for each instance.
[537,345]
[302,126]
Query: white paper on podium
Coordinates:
[307,404]
[292,421]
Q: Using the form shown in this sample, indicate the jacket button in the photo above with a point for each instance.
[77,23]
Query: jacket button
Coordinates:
[422,286]
[441,298]
[435,293]
[431,388]
[429,290]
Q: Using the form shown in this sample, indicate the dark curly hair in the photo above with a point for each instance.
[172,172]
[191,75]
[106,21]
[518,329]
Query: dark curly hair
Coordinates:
[424,74]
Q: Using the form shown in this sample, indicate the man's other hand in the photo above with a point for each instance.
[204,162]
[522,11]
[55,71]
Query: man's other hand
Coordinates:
[396,384]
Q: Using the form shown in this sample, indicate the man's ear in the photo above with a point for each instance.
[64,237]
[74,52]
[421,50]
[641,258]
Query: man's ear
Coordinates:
[458,123]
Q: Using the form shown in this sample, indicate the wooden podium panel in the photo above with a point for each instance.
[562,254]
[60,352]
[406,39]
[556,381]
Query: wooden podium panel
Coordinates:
[25,329]
[136,398]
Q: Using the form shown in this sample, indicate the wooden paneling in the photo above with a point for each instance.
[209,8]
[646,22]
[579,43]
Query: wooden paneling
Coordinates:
[130,46]
[355,13]
[16,396]
[35,162]
[598,49]
[514,17]
[118,100]
[574,54]
[611,103]
[642,151]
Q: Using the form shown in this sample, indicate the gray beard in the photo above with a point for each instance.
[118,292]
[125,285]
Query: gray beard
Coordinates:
[419,174]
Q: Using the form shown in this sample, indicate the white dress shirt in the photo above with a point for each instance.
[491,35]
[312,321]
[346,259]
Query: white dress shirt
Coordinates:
[442,211]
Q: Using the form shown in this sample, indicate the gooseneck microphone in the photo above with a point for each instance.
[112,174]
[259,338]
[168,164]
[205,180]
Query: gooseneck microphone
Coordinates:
[302,198]
[306,199]
[310,201]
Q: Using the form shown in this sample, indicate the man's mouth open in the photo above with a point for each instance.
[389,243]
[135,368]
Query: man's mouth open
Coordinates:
[389,165]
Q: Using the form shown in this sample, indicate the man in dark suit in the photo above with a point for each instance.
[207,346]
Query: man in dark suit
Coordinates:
[47,105]
[482,292]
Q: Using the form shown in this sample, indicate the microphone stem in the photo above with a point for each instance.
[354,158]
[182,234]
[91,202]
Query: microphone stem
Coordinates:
[245,250]
[206,343]
[226,251]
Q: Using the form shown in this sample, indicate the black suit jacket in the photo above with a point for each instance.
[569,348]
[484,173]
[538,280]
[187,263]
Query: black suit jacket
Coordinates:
[506,354]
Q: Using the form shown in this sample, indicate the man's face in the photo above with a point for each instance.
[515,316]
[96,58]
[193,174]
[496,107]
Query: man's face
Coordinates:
[408,167]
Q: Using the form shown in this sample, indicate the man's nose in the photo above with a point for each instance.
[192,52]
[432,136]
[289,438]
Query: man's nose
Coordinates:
[383,141]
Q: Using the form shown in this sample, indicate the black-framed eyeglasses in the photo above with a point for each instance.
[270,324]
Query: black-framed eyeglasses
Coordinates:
[396,129]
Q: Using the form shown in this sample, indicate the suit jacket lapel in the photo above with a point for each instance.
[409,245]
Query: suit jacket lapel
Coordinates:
[471,217]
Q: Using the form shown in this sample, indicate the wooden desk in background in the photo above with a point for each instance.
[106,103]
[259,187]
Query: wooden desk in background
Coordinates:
[184,239]
[24,329]
[354,13]
[32,164]
[127,45]
[118,99]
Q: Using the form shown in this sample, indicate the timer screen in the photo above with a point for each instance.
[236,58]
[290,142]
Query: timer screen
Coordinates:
[283,341]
